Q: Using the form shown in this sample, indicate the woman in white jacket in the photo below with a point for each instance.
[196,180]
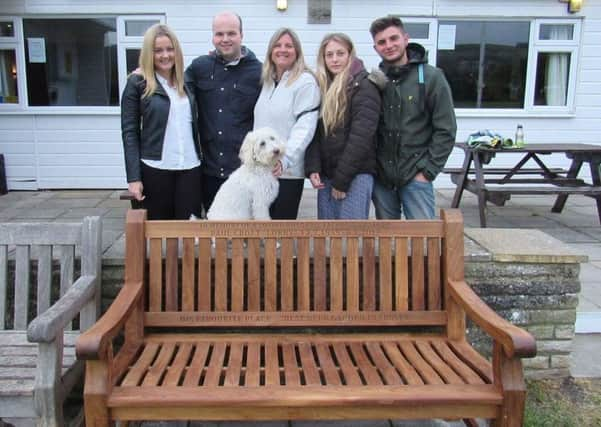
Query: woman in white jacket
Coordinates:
[289,104]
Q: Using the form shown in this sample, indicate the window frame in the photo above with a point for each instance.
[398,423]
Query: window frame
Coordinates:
[554,46]
[15,43]
[535,46]
[125,42]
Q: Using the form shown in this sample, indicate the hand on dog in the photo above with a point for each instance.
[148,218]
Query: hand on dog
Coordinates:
[337,194]
[278,169]
[316,181]
[137,189]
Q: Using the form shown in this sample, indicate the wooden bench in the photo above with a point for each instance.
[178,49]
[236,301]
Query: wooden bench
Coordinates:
[37,363]
[299,320]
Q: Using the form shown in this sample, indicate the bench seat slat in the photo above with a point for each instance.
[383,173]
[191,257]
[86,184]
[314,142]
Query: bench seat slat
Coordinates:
[364,365]
[347,368]
[196,367]
[234,365]
[291,370]
[179,364]
[159,366]
[407,371]
[252,376]
[136,373]
[421,366]
[309,367]
[444,371]
[215,368]
[387,370]
[452,360]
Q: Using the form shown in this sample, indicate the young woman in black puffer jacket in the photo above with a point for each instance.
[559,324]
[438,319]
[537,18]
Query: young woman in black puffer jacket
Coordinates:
[341,160]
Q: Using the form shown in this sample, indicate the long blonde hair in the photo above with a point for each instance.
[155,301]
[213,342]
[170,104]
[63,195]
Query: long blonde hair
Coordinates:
[334,87]
[146,61]
[299,67]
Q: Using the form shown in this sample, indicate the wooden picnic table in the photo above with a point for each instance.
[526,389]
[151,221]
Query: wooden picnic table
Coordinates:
[496,185]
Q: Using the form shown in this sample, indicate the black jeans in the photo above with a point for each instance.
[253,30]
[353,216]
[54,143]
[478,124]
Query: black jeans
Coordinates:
[210,186]
[171,194]
[285,206]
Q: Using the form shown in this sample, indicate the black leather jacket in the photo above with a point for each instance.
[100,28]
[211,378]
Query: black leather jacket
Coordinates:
[143,124]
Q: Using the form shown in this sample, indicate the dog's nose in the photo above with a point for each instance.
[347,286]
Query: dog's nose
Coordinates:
[276,151]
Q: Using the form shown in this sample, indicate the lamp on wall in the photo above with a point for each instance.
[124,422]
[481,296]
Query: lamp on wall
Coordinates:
[281,5]
[574,6]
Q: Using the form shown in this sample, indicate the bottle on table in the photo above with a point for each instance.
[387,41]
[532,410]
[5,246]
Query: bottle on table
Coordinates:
[519,136]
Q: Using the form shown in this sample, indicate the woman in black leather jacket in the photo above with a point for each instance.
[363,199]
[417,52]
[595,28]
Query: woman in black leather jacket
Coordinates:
[159,129]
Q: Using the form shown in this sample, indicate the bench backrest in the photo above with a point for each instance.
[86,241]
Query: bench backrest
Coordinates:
[301,273]
[41,252]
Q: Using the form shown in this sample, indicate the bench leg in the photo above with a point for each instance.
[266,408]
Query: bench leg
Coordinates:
[509,373]
[95,395]
[48,398]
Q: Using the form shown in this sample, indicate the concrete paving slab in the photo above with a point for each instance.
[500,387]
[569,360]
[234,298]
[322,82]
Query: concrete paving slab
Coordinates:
[568,235]
[67,203]
[586,362]
[572,219]
[594,232]
[117,212]
[586,305]
[8,213]
[79,213]
[83,194]
[47,214]
[592,250]
[114,203]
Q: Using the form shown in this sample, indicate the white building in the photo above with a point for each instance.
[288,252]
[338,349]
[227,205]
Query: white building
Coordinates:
[63,64]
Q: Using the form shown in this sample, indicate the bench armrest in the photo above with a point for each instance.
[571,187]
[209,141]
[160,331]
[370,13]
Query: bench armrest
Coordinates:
[46,326]
[94,343]
[516,342]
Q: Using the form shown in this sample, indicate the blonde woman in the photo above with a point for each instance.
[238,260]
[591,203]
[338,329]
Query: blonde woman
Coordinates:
[341,160]
[288,103]
[160,136]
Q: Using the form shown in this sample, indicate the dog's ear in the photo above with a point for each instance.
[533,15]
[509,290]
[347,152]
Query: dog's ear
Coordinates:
[246,150]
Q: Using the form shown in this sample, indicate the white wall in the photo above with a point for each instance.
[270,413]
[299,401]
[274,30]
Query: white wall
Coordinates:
[57,149]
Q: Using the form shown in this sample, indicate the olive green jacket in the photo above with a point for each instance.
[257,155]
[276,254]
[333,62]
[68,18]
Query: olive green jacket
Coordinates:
[417,125]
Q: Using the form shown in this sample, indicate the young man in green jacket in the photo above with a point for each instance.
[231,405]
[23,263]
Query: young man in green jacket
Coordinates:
[417,125]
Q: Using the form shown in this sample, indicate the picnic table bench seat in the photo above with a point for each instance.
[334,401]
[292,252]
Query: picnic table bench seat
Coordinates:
[269,320]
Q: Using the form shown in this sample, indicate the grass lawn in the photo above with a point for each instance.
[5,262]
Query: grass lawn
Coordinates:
[565,402]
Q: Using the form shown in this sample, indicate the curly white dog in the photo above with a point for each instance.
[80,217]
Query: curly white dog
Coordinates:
[250,189]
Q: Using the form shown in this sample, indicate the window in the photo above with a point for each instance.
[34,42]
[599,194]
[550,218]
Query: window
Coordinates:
[132,29]
[9,64]
[68,62]
[554,55]
[486,66]
[503,65]
[71,62]
[8,77]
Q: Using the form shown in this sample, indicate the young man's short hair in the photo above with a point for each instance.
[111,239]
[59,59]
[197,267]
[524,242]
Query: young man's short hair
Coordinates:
[381,24]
